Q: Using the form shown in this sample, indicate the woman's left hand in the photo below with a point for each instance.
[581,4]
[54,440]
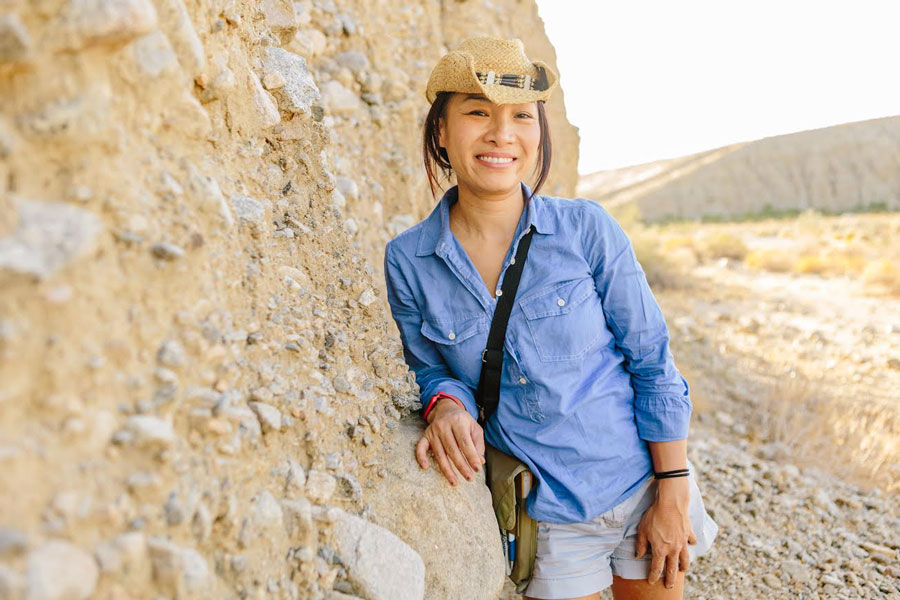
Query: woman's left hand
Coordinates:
[666,527]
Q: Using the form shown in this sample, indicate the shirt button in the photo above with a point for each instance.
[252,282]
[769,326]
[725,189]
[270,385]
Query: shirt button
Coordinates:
[522,380]
[512,261]
[561,302]
[499,293]
[451,335]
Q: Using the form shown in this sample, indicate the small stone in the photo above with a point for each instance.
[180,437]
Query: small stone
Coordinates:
[296,476]
[121,553]
[347,187]
[49,236]
[248,211]
[894,363]
[353,60]
[265,108]
[60,571]
[367,297]
[280,15]
[770,580]
[12,542]
[269,416]
[171,354]
[174,510]
[320,486]
[154,55]
[298,521]
[338,99]
[341,385]
[167,251]
[298,92]
[150,432]
[178,571]
[176,22]
[273,81]
[15,43]
[266,511]
[90,22]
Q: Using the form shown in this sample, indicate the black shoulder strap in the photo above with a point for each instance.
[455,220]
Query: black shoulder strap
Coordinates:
[488,394]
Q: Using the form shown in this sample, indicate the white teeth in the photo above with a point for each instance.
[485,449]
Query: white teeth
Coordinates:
[496,159]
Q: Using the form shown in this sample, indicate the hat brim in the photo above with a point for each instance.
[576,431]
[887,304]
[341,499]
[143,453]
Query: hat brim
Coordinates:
[453,64]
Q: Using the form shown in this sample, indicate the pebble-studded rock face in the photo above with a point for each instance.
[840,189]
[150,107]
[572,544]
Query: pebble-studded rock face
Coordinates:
[198,380]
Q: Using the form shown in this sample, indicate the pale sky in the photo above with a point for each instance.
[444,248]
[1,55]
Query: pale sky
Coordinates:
[652,79]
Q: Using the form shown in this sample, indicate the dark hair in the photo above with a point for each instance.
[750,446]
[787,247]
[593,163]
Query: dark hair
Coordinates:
[436,157]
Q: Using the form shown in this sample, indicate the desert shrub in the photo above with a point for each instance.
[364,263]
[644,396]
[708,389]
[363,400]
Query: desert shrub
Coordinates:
[778,261]
[883,276]
[722,245]
[811,264]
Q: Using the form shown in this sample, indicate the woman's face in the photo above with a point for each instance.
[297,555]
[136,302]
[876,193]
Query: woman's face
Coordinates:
[491,147]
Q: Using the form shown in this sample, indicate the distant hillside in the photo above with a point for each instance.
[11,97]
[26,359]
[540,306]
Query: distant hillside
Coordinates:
[832,169]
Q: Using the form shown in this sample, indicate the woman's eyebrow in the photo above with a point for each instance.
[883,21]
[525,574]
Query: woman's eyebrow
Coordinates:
[475,97]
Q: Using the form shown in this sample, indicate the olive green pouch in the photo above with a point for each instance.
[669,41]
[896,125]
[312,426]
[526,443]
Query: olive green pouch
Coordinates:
[510,482]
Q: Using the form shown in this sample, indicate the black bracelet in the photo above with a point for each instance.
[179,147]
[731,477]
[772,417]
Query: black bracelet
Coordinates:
[670,474]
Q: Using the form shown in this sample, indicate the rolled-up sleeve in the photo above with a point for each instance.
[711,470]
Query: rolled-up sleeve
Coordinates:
[662,404]
[432,373]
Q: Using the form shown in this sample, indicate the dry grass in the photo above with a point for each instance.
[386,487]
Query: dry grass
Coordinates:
[859,441]
[882,276]
[768,259]
[721,244]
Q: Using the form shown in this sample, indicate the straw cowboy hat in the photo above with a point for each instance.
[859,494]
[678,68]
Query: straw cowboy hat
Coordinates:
[494,67]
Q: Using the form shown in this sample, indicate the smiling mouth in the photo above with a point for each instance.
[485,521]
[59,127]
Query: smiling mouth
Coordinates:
[496,159]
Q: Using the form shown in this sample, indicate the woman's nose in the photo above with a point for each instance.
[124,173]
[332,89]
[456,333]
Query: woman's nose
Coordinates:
[501,129]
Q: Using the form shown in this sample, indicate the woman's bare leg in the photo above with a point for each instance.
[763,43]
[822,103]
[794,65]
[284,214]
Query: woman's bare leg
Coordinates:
[639,589]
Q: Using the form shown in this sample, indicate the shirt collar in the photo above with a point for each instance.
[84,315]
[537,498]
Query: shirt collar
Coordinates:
[436,228]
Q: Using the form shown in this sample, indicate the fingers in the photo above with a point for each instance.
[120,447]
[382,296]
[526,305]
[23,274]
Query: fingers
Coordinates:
[451,447]
[640,548]
[443,462]
[684,559]
[422,447]
[657,563]
[671,569]
[478,437]
[467,443]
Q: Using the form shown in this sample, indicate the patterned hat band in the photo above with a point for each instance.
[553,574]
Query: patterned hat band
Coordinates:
[525,82]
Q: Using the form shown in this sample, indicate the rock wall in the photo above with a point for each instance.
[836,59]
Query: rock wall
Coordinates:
[201,391]
[834,169]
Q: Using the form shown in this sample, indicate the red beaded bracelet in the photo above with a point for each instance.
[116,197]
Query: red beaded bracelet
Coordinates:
[434,400]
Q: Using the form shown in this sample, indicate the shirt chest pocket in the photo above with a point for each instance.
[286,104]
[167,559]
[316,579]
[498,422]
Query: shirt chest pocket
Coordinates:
[565,321]
[459,339]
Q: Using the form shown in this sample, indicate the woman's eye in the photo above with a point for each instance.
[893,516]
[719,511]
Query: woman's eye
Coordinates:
[477,112]
[526,115]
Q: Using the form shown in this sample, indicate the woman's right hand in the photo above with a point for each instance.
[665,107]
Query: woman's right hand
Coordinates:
[455,439]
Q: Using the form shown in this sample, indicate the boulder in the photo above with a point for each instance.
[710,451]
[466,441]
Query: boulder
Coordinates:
[453,529]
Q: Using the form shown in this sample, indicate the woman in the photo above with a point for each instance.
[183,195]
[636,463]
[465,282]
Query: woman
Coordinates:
[591,399]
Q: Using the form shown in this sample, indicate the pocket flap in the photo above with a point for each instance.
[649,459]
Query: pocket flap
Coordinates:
[558,300]
[453,331]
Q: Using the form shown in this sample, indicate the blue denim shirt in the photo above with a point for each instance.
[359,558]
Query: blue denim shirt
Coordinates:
[587,376]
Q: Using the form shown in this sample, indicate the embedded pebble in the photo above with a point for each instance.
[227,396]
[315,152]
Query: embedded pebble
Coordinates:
[58,570]
[150,432]
[269,416]
[320,485]
[167,251]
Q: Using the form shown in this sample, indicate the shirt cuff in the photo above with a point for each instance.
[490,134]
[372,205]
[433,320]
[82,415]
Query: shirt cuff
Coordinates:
[662,418]
[456,389]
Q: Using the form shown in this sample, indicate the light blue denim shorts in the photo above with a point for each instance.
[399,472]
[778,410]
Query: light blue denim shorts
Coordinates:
[577,559]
